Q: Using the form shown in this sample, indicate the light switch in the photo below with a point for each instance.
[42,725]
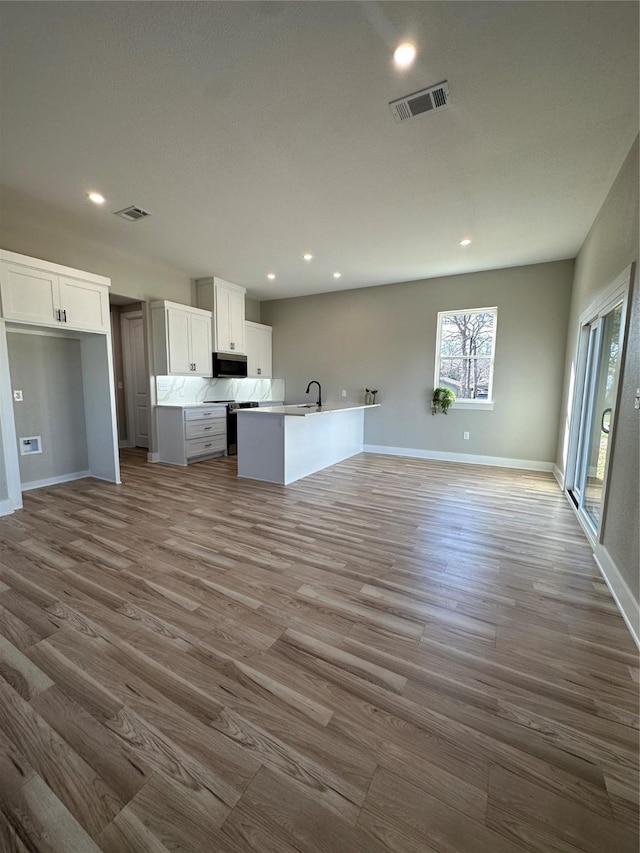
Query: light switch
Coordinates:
[17,396]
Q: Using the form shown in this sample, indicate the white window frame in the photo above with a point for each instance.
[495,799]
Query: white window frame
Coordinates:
[479,405]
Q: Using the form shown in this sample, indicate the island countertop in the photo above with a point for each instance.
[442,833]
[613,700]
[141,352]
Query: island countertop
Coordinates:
[305,409]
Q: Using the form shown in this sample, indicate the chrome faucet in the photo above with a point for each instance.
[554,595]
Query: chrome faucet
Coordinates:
[315,382]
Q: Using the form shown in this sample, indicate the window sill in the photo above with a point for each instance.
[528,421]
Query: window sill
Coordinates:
[479,405]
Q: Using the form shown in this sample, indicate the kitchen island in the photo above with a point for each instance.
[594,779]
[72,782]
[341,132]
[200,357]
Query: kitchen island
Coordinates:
[281,444]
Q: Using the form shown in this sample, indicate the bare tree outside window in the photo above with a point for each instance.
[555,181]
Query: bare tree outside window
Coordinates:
[466,343]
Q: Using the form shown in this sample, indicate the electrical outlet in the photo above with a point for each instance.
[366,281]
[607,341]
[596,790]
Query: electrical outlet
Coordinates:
[344,392]
[17,396]
[465,435]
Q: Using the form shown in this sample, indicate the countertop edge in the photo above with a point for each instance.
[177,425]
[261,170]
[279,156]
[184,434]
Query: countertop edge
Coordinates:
[301,411]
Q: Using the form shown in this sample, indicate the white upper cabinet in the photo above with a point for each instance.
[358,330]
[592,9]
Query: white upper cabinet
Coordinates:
[258,341]
[84,305]
[226,301]
[178,342]
[52,295]
[201,348]
[181,340]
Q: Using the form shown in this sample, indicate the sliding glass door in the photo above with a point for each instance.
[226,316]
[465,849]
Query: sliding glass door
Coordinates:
[600,357]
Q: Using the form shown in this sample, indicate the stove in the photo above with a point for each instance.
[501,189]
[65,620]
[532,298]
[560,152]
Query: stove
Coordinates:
[232,422]
[233,407]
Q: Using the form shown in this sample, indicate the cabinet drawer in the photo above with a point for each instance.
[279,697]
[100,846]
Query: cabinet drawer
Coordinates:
[203,446]
[198,414]
[204,428]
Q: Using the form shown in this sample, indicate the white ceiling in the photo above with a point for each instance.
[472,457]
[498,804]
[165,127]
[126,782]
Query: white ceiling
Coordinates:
[256,131]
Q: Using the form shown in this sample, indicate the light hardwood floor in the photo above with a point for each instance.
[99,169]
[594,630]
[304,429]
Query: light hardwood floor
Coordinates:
[390,655]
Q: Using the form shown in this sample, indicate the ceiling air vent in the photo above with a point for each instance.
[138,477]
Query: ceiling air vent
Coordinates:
[132,213]
[433,98]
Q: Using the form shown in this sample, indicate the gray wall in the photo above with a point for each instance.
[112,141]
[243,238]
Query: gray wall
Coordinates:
[385,337]
[31,227]
[48,370]
[611,245]
[4,491]
[252,310]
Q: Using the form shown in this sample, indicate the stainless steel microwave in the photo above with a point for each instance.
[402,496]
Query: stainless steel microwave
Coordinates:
[229,365]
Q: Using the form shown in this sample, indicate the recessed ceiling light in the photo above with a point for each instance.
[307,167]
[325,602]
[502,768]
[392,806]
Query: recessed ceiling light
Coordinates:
[308,256]
[404,54]
[465,242]
[271,275]
[96,198]
[337,274]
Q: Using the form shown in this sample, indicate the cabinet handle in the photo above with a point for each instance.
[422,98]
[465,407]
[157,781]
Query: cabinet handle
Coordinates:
[232,345]
[58,317]
[206,428]
[195,367]
[209,445]
[259,371]
[64,315]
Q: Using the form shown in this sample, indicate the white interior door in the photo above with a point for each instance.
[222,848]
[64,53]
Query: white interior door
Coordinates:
[137,379]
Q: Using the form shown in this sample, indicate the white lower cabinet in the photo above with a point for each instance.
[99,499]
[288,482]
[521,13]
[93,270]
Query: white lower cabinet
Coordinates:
[258,344]
[192,434]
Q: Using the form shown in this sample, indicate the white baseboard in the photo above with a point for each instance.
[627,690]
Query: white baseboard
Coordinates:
[7,507]
[54,481]
[153,457]
[557,473]
[468,458]
[622,595]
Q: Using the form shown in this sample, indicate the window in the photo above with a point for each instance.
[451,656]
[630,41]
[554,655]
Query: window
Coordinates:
[464,354]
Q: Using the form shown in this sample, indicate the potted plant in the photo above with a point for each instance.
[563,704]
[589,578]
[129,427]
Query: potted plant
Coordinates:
[442,400]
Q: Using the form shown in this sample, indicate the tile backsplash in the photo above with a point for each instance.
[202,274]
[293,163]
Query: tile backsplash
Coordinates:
[183,390]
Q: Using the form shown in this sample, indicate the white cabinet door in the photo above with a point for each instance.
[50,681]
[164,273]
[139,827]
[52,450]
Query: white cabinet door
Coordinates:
[29,295]
[229,319]
[258,345]
[265,352]
[179,341]
[83,305]
[236,321]
[252,347]
[201,345]
[222,319]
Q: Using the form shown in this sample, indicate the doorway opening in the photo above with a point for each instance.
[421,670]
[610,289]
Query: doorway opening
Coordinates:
[133,400]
